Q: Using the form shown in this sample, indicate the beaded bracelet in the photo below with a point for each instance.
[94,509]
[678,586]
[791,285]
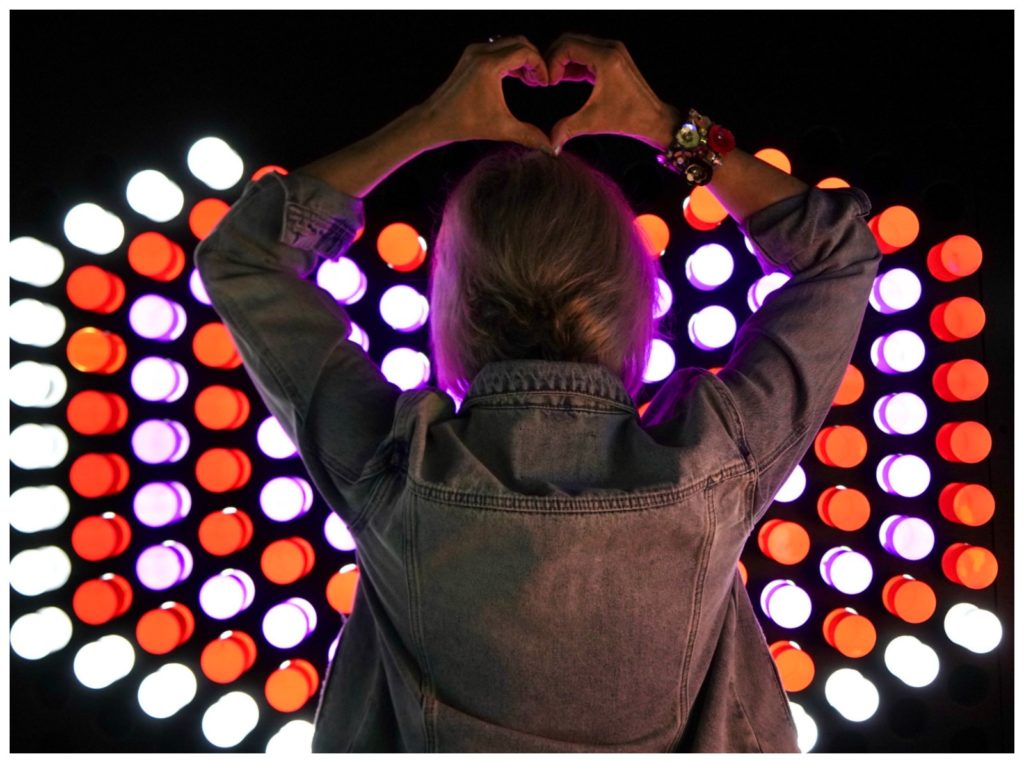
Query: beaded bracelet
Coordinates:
[697,147]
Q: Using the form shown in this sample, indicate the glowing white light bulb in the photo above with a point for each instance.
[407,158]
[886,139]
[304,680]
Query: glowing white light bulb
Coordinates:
[36,385]
[94,229]
[100,663]
[286,498]
[38,508]
[38,446]
[912,661]
[164,692]
[152,194]
[294,737]
[35,323]
[38,570]
[903,474]
[359,336]
[895,290]
[198,289]
[342,279]
[287,624]
[337,533]
[230,719]
[273,440]
[897,353]
[660,363]
[403,308]
[709,267]
[806,728]
[851,694]
[40,633]
[405,368]
[712,328]
[973,628]
[31,261]
[846,570]
[785,603]
[215,163]
[664,298]
[900,413]
[762,287]
[793,487]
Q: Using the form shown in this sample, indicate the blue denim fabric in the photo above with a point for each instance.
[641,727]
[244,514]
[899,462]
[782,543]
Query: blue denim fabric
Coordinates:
[543,570]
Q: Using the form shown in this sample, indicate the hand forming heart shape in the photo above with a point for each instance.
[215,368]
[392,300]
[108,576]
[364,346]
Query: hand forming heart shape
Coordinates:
[470,105]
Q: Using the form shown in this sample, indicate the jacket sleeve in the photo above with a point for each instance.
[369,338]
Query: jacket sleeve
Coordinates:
[292,335]
[790,356]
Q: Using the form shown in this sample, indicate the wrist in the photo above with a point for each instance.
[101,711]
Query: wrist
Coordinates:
[662,126]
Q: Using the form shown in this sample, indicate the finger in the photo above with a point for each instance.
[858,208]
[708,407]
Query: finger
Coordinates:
[573,60]
[524,58]
[568,128]
[532,137]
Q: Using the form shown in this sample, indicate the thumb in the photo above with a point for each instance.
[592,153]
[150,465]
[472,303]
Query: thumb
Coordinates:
[533,137]
[565,129]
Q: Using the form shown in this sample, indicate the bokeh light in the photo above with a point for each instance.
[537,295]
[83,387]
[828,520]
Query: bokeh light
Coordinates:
[851,694]
[406,368]
[34,262]
[912,661]
[36,509]
[36,385]
[230,719]
[154,195]
[158,318]
[41,633]
[973,628]
[894,291]
[712,327]
[215,163]
[167,690]
[403,308]
[660,363]
[709,267]
[100,663]
[92,228]
[342,279]
[38,446]
[35,323]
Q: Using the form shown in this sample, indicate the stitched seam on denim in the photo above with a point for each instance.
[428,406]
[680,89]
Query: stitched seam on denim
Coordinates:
[564,506]
[698,591]
[226,305]
[412,581]
[722,390]
[325,689]
[782,449]
[618,407]
[402,404]
[743,712]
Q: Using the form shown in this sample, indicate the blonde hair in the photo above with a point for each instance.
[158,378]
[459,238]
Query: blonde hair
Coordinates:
[538,257]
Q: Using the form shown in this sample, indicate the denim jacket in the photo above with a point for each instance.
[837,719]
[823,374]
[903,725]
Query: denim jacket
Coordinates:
[542,570]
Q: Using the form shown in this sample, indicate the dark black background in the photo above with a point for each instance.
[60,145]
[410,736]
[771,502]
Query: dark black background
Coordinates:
[913,107]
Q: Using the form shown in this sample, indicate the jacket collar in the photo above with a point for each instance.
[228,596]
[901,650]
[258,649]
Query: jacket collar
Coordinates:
[540,376]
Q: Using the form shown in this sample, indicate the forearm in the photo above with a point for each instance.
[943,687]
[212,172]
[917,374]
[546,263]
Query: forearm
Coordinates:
[358,168]
[742,184]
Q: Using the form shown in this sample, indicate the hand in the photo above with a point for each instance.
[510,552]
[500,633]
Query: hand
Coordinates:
[622,103]
[470,105]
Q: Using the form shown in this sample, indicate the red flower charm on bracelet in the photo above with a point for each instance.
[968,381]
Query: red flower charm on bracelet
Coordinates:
[721,140]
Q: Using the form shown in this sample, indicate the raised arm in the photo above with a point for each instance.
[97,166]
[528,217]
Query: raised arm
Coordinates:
[292,335]
[789,357]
